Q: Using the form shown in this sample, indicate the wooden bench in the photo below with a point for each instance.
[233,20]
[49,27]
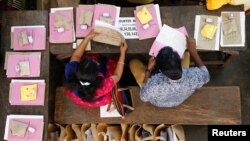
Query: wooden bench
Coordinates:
[207,106]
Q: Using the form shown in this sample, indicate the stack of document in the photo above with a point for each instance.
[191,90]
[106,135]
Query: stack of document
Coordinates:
[28,38]
[24,128]
[61,25]
[108,34]
[176,40]
[27,92]
[84,19]
[207,32]
[22,64]
[105,112]
[148,21]
[211,32]
[233,29]
[107,13]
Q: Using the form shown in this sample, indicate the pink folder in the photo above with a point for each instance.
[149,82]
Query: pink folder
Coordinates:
[15,95]
[39,38]
[153,29]
[79,10]
[37,124]
[104,8]
[156,47]
[34,62]
[61,37]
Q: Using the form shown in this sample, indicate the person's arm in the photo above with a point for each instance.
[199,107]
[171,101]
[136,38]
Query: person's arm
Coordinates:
[151,64]
[120,64]
[77,54]
[191,45]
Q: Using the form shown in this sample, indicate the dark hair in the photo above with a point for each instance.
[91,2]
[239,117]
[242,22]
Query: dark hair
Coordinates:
[169,63]
[86,71]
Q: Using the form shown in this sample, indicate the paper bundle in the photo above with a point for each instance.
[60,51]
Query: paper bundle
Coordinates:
[148,21]
[61,25]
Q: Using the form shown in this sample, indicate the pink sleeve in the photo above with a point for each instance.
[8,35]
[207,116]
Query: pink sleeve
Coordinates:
[108,84]
[107,99]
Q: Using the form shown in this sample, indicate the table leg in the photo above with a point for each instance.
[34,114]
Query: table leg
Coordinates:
[229,56]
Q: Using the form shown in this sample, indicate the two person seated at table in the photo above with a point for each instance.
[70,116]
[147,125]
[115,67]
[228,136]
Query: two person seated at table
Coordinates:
[90,81]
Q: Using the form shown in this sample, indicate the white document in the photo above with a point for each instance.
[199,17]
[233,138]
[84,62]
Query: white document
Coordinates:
[243,32]
[108,34]
[128,28]
[27,81]
[158,15]
[29,26]
[117,16]
[171,37]
[78,42]
[112,113]
[54,10]
[103,24]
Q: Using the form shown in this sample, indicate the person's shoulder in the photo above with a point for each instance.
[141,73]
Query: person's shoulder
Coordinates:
[203,67]
[72,63]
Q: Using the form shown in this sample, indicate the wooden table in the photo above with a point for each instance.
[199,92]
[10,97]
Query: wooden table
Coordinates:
[22,18]
[174,16]
[207,106]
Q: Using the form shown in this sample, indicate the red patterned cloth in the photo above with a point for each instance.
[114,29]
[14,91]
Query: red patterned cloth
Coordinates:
[108,84]
[104,92]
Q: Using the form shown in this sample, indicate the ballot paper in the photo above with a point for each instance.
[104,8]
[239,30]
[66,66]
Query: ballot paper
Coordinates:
[34,130]
[232,29]
[202,42]
[15,92]
[61,25]
[28,38]
[108,34]
[175,40]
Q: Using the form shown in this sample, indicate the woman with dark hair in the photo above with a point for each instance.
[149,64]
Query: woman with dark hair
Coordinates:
[89,80]
[173,81]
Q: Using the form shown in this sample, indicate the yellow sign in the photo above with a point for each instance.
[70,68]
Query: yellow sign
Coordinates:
[144,15]
[28,92]
[208,31]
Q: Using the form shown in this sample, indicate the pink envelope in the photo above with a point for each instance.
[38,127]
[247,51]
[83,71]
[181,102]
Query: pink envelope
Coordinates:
[15,95]
[79,9]
[60,37]
[39,38]
[104,8]
[156,47]
[13,60]
[153,29]
[37,124]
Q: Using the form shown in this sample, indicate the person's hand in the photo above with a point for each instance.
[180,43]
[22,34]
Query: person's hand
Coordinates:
[123,47]
[151,63]
[92,34]
[191,45]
